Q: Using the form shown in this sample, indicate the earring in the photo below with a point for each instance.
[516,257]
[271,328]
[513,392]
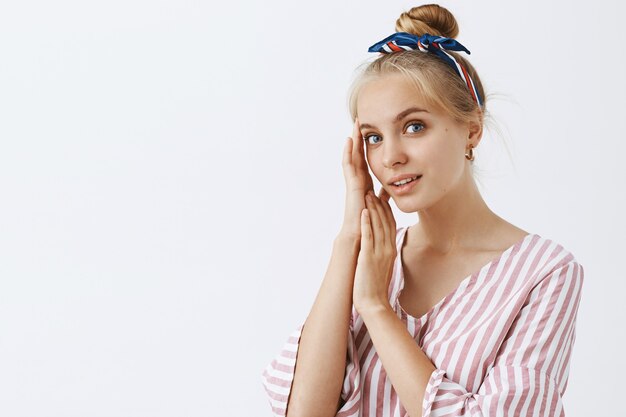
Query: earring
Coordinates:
[470,156]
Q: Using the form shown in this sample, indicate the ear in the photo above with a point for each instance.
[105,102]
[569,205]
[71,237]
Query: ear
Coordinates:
[475,126]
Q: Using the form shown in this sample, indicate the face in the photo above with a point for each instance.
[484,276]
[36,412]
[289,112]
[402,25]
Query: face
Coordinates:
[403,135]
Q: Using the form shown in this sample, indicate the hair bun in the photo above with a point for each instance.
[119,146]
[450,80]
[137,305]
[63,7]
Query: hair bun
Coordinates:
[428,18]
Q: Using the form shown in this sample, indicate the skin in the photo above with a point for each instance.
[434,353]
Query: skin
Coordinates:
[452,213]
[453,217]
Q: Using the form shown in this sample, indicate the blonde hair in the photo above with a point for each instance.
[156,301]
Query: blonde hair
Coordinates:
[436,81]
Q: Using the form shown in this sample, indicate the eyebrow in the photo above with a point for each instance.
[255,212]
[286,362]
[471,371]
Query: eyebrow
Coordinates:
[400,115]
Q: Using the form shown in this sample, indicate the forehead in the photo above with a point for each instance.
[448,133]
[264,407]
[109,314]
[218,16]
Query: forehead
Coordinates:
[384,97]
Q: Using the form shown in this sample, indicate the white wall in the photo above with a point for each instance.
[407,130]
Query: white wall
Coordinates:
[171,184]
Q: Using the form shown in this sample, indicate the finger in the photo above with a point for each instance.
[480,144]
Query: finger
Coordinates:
[359,160]
[346,160]
[365,164]
[378,230]
[384,197]
[356,143]
[358,155]
[389,214]
[383,194]
[366,231]
[381,216]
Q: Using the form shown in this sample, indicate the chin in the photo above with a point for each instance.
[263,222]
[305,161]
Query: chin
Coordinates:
[414,203]
[407,204]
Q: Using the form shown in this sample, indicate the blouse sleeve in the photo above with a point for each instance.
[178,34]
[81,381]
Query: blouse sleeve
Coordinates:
[277,377]
[530,372]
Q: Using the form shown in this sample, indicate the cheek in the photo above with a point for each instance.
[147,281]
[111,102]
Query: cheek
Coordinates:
[440,166]
[374,165]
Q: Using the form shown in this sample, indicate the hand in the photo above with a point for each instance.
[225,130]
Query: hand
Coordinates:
[358,182]
[377,254]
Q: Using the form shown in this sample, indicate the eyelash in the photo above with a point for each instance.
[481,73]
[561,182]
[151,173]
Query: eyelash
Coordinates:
[366,138]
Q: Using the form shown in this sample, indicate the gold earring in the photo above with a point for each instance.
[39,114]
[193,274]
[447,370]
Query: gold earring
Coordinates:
[470,156]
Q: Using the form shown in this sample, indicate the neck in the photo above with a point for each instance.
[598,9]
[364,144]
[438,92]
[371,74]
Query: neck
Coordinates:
[458,221]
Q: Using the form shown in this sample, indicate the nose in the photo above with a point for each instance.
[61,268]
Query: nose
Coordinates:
[393,152]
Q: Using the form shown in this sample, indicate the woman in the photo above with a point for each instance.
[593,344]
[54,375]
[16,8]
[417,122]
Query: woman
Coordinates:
[461,314]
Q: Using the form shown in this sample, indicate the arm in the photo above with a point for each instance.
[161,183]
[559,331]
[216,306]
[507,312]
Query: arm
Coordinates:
[314,386]
[322,353]
[407,366]
[325,350]
[530,371]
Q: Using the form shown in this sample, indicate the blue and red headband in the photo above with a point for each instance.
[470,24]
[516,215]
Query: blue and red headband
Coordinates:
[403,41]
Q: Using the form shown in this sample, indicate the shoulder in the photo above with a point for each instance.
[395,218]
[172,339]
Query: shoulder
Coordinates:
[550,258]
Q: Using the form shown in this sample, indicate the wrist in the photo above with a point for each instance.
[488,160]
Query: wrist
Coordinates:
[348,240]
[374,308]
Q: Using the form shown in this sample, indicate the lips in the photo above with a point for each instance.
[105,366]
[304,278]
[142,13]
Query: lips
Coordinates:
[413,177]
[404,189]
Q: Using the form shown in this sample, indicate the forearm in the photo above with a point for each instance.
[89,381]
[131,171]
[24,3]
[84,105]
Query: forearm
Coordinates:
[321,359]
[407,366]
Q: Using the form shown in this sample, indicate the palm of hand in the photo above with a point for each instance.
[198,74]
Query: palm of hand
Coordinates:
[377,254]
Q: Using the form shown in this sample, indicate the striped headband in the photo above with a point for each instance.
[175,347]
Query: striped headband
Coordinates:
[403,41]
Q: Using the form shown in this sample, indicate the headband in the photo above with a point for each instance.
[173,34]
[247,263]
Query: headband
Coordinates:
[403,41]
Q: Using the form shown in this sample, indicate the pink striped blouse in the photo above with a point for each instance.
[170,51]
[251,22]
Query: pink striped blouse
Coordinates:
[501,341]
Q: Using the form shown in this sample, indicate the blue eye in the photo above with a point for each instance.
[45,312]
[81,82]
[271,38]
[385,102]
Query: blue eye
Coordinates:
[366,138]
[417,124]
